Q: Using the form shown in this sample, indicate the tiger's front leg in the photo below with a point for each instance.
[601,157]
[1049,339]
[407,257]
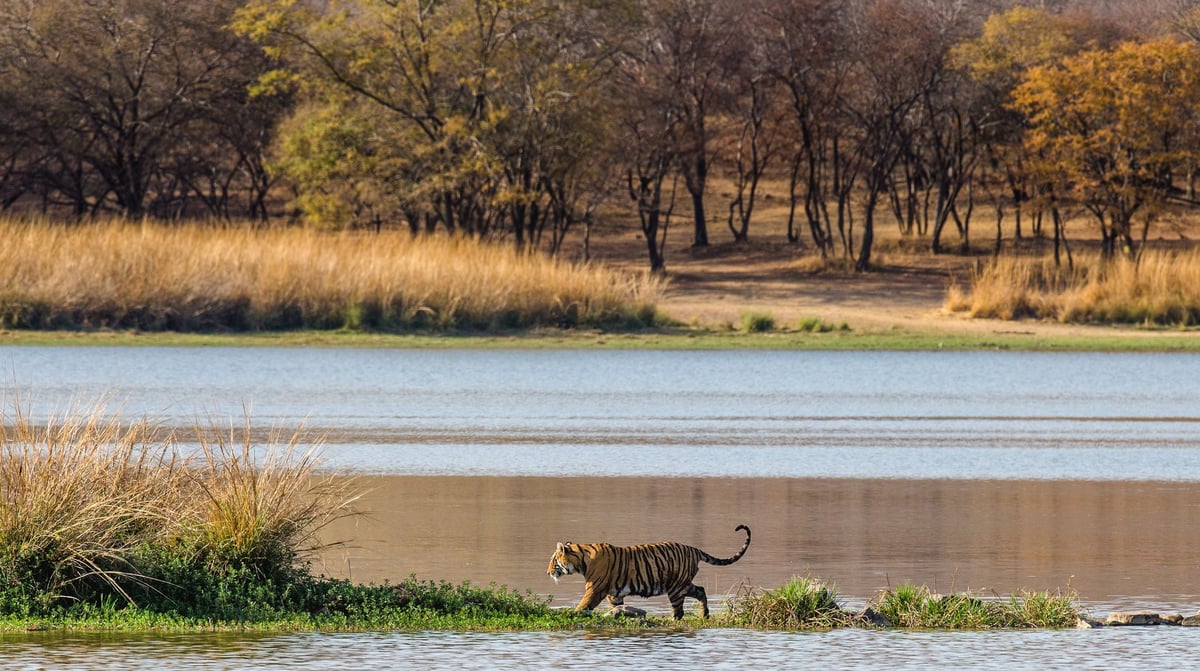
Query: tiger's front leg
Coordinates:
[591,598]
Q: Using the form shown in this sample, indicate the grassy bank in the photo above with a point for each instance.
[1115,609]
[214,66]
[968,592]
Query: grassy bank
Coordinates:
[1013,338]
[156,277]
[1161,288]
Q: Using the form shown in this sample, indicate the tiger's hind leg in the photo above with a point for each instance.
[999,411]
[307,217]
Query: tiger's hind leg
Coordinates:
[696,592]
[677,606]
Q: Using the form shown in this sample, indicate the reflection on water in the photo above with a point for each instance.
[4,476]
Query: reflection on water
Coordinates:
[1119,544]
[1158,647]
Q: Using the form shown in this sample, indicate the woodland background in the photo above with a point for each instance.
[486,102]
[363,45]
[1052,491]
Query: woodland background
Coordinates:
[530,121]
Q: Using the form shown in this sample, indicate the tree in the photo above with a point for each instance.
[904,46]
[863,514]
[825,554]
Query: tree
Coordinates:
[702,46]
[755,147]
[113,89]
[480,114]
[1111,128]
[893,65]
[807,49]
[938,152]
[650,128]
[1012,42]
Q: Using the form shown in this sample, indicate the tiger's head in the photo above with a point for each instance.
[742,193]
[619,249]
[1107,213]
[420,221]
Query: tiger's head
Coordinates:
[567,559]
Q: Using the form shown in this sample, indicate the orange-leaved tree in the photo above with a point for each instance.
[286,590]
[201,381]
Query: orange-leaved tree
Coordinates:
[1110,129]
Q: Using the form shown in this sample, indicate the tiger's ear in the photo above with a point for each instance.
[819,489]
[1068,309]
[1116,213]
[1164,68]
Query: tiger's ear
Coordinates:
[563,546]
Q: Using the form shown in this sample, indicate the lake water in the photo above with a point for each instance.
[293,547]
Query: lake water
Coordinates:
[962,470]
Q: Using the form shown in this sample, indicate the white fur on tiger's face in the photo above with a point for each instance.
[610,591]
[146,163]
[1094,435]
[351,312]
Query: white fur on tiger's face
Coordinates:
[562,563]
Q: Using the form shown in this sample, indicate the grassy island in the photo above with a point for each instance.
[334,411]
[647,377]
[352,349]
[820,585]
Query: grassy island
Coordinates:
[105,525]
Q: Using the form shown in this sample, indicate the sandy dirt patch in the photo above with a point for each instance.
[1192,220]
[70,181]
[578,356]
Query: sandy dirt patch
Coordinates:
[714,286]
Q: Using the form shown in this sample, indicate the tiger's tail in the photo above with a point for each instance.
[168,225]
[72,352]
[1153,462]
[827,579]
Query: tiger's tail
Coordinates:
[707,558]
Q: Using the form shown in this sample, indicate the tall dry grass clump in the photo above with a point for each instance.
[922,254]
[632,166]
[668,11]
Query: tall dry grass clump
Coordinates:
[155,276]
[1158,288]
[77,500]
[249,507]
[92,509]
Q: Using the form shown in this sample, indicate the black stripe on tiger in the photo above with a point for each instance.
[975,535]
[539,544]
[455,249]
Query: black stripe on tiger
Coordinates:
[614,572]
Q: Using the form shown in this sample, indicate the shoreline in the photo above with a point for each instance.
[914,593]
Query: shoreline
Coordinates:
[992,335]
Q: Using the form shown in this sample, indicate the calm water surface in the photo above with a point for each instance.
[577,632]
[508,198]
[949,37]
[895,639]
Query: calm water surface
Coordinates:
[717,414]
[993,471]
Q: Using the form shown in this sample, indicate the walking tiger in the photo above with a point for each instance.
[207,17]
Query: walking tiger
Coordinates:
[638,570]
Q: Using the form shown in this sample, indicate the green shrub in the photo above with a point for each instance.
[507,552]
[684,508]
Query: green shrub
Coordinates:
[916,606]
[757,322]
[818,325]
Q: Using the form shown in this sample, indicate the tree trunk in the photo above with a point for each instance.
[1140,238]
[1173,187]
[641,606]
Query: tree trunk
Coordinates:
[696,180]
[863,264]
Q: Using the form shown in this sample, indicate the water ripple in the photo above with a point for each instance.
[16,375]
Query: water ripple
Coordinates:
[717,649]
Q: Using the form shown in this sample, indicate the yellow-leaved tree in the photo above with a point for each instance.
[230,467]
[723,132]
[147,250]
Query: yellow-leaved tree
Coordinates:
[1110,128]
[477,116]
[1012,42]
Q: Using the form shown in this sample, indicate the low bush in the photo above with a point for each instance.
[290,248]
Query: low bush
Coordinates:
[818,325]
[757,322]
[803,603]
[916,606]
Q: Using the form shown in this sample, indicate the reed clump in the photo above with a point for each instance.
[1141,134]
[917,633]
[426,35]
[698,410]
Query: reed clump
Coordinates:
[757,322]
[218,277]
[93,511]
[1157,288]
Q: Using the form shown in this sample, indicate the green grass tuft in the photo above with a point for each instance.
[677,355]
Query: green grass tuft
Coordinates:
[915,606]
[757,322]
[803,603]
[818,325]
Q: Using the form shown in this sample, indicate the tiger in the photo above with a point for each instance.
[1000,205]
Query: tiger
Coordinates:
[638,570]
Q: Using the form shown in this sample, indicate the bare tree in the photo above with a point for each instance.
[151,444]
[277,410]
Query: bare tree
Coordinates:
[701,45]
[112,89]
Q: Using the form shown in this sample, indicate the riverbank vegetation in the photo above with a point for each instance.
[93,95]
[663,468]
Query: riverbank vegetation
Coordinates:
[156,277]
[1157,287]
[106,525]
[809,603]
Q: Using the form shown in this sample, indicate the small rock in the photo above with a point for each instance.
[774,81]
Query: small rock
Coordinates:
[1171,618]
[1133,619]
[1191,621]
[626,611]
[1085,622]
